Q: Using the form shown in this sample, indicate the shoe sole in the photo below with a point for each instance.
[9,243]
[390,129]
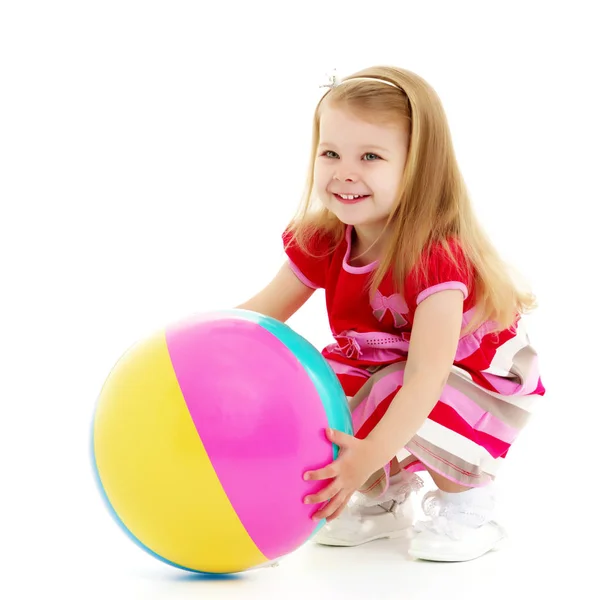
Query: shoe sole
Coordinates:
[347,544]
[433,557]
[332,541]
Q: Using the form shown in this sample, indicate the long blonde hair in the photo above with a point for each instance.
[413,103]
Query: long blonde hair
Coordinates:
[432,204]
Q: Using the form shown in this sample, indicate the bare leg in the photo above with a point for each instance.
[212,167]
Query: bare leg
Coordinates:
[445,484]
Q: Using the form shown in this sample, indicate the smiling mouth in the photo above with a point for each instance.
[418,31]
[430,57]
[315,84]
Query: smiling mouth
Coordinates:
[351,198]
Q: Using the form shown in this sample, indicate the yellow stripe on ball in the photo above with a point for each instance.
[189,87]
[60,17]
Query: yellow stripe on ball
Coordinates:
[155,470]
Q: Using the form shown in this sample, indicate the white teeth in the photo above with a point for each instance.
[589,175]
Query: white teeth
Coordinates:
[349,196]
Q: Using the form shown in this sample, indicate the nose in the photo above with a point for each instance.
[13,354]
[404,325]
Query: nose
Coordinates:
[345,173]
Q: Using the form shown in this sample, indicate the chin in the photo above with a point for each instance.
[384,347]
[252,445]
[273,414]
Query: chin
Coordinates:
[356,220]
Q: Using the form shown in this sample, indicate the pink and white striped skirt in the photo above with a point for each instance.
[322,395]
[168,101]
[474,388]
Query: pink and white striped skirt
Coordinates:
[465,438]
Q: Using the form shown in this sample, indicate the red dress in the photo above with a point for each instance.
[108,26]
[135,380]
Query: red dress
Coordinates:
[493,384]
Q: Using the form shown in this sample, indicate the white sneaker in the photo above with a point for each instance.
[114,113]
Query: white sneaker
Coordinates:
[455,532]
[364,520]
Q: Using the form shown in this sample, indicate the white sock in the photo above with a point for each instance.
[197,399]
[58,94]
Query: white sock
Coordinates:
[472,507]
[475,495]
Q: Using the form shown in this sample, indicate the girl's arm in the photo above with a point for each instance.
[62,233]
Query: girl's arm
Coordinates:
[433,343]
[281,297]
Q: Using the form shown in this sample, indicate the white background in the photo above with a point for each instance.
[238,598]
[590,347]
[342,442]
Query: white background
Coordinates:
[151,154]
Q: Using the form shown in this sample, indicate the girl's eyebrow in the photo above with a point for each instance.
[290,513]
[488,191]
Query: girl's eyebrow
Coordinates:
[364,147]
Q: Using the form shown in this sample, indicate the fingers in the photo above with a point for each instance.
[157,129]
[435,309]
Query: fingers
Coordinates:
[343,440]
[340,509]
[334,507]
[328,472]
[325,494]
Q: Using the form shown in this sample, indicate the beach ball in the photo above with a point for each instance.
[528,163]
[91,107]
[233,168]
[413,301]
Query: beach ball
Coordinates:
[201,436]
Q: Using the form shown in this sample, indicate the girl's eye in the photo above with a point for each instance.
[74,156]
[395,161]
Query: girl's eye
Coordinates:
[369,156]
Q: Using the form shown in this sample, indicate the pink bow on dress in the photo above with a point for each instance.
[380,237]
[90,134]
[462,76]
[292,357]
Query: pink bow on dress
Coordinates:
[394,303]
[348,346]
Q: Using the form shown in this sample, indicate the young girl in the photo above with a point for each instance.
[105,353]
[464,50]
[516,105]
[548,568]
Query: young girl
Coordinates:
[429,345]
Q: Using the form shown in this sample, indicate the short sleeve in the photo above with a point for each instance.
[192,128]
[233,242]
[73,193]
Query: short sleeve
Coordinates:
[442,272]
[310,267]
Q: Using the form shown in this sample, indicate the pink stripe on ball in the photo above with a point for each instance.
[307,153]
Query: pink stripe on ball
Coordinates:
[261,422]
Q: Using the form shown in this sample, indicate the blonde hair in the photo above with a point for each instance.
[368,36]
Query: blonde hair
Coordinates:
[432,204]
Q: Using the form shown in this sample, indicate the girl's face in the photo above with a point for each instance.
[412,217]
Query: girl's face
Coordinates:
[359,158]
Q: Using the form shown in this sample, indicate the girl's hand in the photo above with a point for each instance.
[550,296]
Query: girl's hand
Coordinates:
[355,464]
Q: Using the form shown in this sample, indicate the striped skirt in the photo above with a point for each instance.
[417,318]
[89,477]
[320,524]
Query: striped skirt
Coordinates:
[465,438]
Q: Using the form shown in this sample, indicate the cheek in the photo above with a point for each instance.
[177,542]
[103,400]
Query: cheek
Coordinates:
[321,177]
[395,176]
[385,180]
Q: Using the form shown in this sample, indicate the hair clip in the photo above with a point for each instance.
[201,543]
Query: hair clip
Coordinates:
[333,81]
